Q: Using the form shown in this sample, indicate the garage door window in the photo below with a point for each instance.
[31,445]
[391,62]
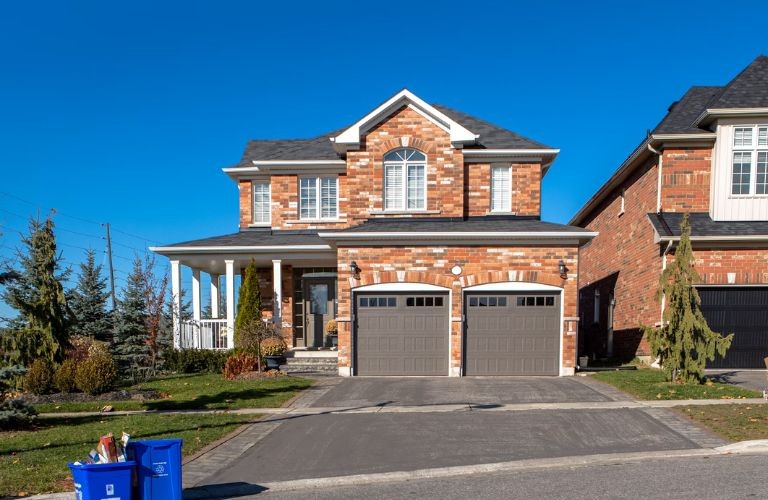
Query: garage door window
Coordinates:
[536,301]
[424,302]
[378,302]
[487,302]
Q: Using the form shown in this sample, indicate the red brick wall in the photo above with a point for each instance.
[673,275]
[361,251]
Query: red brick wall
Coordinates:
[748,265]
[267,296]
[526,189]
[624,259]
[480,265]
[246,204]
[685,180]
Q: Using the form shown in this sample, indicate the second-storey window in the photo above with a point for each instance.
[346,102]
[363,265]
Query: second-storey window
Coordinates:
[405,180]
[749,173]
[261,202]
[501,188]
[318,197]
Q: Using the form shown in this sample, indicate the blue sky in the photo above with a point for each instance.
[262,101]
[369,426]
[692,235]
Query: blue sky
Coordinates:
[126,112]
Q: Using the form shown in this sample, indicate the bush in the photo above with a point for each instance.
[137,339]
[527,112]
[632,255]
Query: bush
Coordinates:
[39,379]
[239,363]
[195,361]
[96,374]
[15,414]
[251,335]
[64,378]
[79,348]
[273,346]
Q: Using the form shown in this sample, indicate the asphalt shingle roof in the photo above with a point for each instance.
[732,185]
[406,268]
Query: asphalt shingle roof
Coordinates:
[748,90]
[491,136]
[256,238]
[459,224]
[682,114]
[668,224]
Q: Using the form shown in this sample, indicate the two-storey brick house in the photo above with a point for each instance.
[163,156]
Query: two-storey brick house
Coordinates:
[418,229]
[707,157]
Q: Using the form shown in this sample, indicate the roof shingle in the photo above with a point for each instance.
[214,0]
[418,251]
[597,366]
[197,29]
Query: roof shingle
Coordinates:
[667,224]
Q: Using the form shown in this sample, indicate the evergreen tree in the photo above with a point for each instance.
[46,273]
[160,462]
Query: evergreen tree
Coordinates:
[684,343]
[37,293]
[131,342]
[89,301]
[249,304]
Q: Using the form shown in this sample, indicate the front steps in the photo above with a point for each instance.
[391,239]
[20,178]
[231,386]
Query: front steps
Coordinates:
[299,362]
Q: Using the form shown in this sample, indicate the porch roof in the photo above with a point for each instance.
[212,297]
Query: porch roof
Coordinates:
[249,240]
[667,227]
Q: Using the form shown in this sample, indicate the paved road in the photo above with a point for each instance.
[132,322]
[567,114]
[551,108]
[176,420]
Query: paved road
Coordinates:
[361,391]
[334,445]
[734,476]
[757,380]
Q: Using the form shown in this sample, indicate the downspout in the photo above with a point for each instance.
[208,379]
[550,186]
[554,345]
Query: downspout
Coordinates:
[658,177]
[663,268]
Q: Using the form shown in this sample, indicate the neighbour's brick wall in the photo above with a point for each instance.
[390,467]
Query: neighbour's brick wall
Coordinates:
[749,266]
[622,259]
[685,180]
[480,265]
[525,192]
[246,203]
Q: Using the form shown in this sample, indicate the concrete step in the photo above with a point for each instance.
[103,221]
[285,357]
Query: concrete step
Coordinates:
[311,366]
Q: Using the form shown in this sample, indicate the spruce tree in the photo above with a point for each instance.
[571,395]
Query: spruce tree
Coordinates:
[249,303]
[36,292]
[89,301]
[130,342]
[684,342]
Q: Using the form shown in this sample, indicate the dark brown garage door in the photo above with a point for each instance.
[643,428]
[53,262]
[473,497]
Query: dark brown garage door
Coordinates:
[402,334]
[512,334]
[742,311]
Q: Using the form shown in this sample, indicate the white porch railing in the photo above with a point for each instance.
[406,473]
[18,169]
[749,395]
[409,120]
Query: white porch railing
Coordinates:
[204,334]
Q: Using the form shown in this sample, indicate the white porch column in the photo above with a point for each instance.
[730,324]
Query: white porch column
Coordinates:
[215,295]
[277,287]
[176,297]
[230,266]
[196,294]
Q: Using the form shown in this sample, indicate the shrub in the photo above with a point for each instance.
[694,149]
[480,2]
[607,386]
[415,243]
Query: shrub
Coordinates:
[16,414]
[96,374]
[251,335]
[79,348]
[195,360]
[239,363]
[273,346]
[64,378]
[332,328]
[39,379]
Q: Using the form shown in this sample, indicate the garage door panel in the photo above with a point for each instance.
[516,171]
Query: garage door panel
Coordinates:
[516,337]
[409,338]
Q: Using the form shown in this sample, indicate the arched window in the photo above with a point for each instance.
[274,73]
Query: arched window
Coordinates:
[405,180]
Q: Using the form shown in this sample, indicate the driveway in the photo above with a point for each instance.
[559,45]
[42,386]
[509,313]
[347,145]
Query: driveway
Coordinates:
[415,391]
[757,380]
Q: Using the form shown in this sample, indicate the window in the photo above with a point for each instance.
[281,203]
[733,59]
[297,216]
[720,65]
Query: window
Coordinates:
[501,188]
[405,180]
[540,301]
[487,301]
[378,302]
[261,202]
[424,302]
[749,174]
[318,197]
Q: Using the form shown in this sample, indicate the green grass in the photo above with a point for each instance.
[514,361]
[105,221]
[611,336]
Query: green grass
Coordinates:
[36,461]
[647,383]
[733,422]
[200,391]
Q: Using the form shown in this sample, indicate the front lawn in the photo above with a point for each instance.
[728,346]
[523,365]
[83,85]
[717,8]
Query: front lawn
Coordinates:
[35,461]
[199,392]
[648,383]
[733,422]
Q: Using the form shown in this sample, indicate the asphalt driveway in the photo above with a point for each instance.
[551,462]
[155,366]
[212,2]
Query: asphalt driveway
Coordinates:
[415,391]
[757,380]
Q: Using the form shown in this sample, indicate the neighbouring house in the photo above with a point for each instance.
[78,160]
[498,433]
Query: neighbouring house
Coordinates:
[417,229]
[707,157]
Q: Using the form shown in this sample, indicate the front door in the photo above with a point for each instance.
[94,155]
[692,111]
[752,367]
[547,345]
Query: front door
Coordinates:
[318,309]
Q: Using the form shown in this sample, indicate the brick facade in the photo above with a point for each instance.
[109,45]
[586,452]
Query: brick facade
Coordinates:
[685,180]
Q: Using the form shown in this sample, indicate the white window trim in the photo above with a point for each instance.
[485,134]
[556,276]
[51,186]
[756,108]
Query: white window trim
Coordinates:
[404,194]
[509,193]
[318,198]
[754,149]
[623,197]
[268,222]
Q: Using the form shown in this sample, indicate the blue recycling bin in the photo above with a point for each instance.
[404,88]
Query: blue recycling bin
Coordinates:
[103,481]
[158,467]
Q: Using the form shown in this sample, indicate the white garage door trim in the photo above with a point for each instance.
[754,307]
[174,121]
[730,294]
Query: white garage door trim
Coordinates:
[410,287]
[522,286]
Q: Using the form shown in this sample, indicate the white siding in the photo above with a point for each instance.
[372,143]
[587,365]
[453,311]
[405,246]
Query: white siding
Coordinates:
[724,206]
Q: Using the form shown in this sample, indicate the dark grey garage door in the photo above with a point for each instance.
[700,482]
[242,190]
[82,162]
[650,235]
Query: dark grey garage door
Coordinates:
[512,334]
[742,311]
[402,334]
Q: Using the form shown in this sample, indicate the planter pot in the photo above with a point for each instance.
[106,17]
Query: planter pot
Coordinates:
[334,340]
[583,361]
[273,362]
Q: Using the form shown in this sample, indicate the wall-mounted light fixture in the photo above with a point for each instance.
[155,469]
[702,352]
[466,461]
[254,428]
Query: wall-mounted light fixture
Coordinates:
[563,270]
[354,268]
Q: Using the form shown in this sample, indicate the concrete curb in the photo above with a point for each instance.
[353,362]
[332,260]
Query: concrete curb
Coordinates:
[756,445]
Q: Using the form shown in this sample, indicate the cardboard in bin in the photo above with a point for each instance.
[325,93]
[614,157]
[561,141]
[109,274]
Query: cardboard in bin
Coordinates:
[158,467]
[108,481]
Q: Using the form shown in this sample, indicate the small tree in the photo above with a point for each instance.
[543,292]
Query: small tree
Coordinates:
[37,293]
[89,301]
[154,297]
[684,343]
[249,304]
[131,340]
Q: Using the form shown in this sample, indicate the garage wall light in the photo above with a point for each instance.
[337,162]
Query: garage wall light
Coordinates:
[354,268]
[563,270]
